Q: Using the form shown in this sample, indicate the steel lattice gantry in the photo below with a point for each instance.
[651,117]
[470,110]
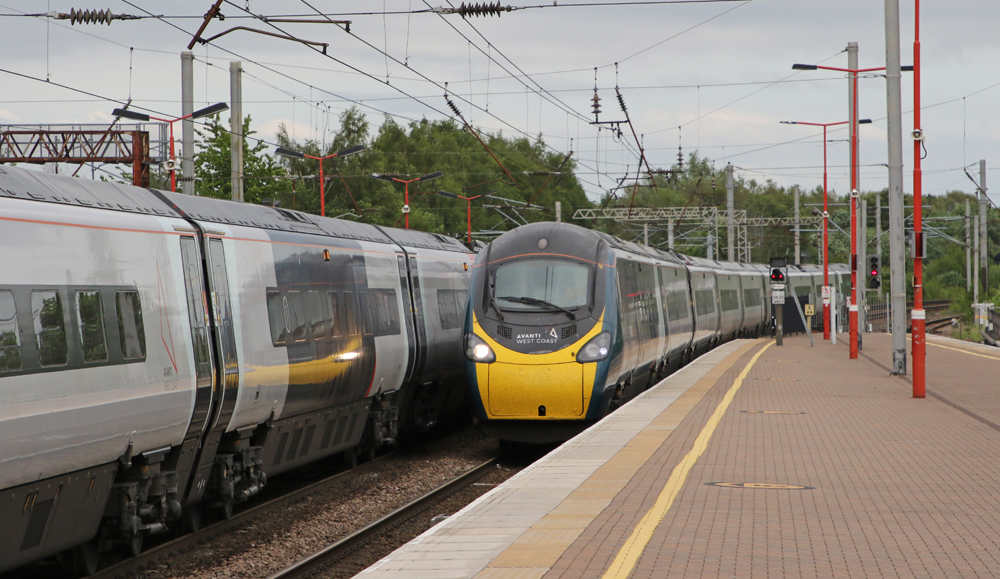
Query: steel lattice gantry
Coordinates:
[83,144]
[707,216]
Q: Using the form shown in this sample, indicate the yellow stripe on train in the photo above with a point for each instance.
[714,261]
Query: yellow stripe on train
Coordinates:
[518,385]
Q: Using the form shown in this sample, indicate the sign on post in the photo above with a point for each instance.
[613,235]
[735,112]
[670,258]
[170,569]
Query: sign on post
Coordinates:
[778,294]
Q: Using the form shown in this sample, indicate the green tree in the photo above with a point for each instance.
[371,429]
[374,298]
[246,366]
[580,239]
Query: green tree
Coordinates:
[263,177]
[421,148]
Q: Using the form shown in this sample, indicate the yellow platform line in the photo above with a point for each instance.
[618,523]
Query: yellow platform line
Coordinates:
[535,552]
[629,554]
[930,343]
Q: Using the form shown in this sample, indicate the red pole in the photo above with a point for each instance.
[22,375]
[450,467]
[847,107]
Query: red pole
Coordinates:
[406,201]
[322,190]
[826,248]
[919,338]
[468,216]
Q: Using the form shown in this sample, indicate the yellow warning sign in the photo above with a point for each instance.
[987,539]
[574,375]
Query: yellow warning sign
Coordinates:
[752,485]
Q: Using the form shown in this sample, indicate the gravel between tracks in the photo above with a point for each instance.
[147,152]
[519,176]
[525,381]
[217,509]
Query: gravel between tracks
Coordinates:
[263,547]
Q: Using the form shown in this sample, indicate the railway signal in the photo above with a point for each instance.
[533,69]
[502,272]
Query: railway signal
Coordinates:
[874,271]
[777,276]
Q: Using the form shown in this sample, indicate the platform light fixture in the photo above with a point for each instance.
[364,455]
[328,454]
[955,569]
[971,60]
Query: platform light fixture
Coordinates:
[143,117]
[322,180]
[406,183]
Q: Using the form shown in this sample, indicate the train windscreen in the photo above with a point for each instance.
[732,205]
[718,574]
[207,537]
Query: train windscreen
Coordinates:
[542,284]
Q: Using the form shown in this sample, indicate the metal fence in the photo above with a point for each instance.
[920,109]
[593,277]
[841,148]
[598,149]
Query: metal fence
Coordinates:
[878,313]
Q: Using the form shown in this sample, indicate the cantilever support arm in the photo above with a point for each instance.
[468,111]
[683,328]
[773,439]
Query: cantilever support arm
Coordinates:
[283,36]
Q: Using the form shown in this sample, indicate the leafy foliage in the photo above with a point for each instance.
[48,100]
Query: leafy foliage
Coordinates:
[422,148]
[263,177]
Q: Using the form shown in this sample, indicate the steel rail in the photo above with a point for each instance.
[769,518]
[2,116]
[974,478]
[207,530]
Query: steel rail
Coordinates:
[318,562]
[130,566]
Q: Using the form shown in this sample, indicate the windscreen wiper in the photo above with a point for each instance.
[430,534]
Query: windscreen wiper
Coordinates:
[538,302]
[496,308]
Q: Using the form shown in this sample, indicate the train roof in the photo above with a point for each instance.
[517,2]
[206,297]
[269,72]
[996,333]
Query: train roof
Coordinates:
[37,186]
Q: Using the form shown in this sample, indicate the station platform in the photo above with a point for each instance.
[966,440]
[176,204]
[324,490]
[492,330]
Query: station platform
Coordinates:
[754,461]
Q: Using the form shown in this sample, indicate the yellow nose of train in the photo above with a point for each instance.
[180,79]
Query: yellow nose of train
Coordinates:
[552,386]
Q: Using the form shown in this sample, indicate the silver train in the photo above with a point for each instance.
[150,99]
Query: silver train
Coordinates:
[161,353]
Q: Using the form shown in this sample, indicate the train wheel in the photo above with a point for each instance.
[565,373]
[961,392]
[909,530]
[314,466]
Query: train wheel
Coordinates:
[226,510]
[191,517]
[349,458]
[133,546]
[85,557]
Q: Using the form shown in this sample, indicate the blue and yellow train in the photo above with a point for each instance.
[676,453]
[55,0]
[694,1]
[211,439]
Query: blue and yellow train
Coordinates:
[565,324]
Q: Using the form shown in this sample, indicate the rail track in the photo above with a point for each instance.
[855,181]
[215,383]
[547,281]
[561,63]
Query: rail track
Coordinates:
[324,561]
[153,555]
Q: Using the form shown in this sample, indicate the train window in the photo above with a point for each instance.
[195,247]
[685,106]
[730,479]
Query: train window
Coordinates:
[336,319]
[447,309]
[130,328]
[10,336]
[90,314]
[297,316]
[677,305]
[319,314]
[366,313]
[50,331]
[461,302]
[802,290]
[751,298]
[730,300]
[351,315]
[276,317]
[704,302]
[387,312]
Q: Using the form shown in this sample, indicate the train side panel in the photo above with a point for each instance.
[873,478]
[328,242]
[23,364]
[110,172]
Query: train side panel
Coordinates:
[677,311]
[96,364]
[66,327]
[730,308]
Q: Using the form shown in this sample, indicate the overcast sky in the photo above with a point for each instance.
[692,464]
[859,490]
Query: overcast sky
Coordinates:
[712,77]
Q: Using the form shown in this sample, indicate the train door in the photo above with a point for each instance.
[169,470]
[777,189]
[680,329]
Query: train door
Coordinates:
[225,332]
[200,341]
[629,320]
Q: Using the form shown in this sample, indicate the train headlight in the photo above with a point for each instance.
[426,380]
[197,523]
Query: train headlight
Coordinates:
[477,350]
[596,349]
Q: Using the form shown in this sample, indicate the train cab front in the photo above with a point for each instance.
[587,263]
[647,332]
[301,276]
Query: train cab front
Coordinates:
[537,342]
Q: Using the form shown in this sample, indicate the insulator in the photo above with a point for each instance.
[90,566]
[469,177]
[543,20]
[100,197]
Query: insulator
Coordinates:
[94,16]
[484,9]
[453,107]
[621,101]
[597,104]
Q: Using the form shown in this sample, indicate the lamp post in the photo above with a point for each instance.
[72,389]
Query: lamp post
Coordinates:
[826,218]
[919,347]
[172,164]
[468,207]
[853,308]
[322,182]
[406,183]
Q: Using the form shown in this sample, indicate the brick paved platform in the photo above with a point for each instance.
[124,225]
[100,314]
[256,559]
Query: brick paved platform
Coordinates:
[755,461]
